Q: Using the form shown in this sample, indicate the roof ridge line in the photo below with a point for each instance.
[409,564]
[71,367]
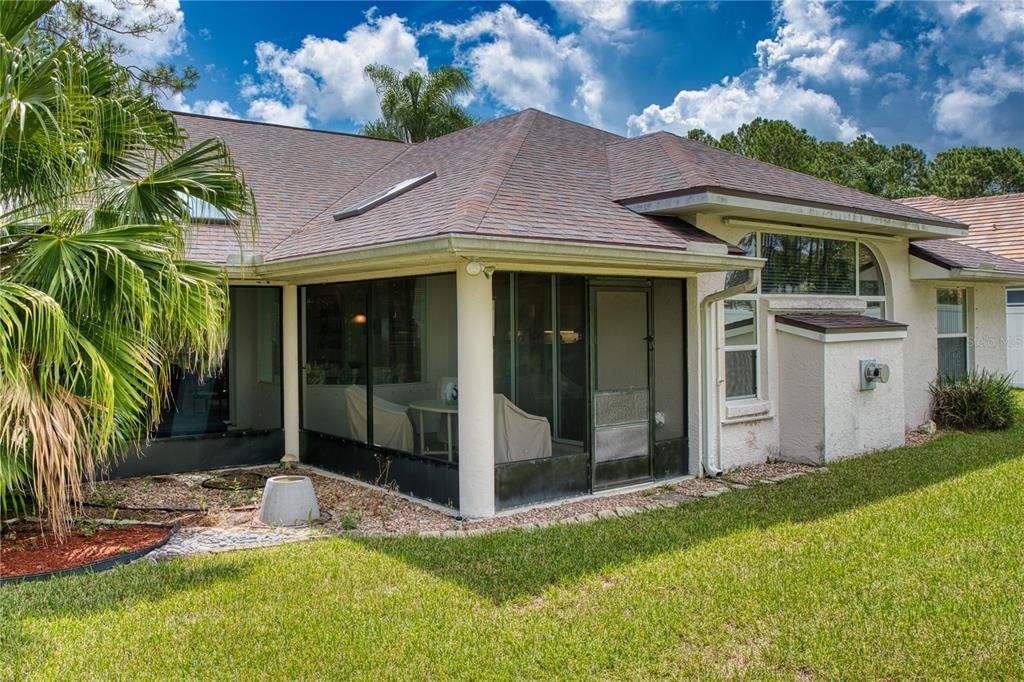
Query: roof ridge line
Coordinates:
[687,157]
[303,129]
[520,131]
[334,203]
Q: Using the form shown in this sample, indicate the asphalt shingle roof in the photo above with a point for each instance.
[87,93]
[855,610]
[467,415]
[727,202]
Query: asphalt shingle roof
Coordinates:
[663,164]
[951,253]
[295,173]
[838,323]
[997,222]
[527,176]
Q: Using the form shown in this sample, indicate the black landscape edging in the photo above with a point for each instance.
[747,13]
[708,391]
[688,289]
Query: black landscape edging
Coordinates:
[95,566]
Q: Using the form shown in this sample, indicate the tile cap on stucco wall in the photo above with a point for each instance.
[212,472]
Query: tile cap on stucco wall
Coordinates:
[818,304]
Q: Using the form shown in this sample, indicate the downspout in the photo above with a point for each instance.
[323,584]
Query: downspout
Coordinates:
[711,463]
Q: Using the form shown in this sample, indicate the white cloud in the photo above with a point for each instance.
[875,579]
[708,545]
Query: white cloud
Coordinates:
[146,51]
[606,16]
[324,78]
[517,61]
[214,107]
[725,106]
[964,113]
[809,41]
[274,111]
[997,20]
[808,45]
[882,51]
[969,107]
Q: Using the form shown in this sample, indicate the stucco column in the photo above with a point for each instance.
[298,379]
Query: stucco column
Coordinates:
[476,394]
[290,367]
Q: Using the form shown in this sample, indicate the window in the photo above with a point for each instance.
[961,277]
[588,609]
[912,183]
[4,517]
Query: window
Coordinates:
[795,264]
[540,349]
[814,266]
[1015,297]
[808,265]
[870,284]
[741,348]
[953,331]
[245,393]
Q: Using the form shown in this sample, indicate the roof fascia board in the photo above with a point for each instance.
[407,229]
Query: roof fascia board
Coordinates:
[445,252]
[718,201]
[847,337]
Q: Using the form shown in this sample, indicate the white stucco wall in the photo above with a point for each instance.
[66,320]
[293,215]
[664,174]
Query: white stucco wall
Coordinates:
[754,438]
[859,421]
[801,399]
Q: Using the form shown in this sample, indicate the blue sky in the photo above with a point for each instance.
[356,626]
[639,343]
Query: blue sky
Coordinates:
[932,74]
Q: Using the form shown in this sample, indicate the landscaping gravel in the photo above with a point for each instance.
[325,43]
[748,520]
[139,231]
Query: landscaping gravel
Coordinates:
[349,507]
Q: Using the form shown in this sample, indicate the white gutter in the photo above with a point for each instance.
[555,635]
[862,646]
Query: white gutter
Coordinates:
[709,390]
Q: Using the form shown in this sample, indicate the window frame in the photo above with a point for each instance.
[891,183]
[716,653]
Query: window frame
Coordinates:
[758,294]
[744,348]
[858,244]
[966,334]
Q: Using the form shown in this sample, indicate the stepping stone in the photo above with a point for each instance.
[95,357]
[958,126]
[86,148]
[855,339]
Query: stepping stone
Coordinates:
[675,499]
[606,514]
[714,492]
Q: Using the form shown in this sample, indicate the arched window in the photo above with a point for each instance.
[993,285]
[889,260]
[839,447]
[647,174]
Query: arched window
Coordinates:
[797,264]
[871,283]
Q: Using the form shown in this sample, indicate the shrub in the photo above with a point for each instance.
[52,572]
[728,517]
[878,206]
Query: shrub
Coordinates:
[980,400]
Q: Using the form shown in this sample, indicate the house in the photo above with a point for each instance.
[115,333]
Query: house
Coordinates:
[531,309]
[996,225]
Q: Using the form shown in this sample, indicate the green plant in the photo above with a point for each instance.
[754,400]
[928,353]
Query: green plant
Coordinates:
[97,299]
[976,401]
[416,107]
[350,520]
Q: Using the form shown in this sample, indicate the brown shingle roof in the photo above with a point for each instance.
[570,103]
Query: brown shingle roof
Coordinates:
[663,164]
[997,222]
[526,176]
[837,323]
[295,174]
[951,253]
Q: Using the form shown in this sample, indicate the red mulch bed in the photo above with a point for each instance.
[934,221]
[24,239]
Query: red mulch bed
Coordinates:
[25,548]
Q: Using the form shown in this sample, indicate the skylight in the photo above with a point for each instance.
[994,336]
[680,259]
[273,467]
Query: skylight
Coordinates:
[388,194]
[204,212]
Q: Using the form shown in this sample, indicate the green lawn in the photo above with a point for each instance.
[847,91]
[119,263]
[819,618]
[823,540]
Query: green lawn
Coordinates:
[902,563]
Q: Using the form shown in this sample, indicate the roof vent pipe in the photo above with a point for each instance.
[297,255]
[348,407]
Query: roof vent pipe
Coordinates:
[711,462]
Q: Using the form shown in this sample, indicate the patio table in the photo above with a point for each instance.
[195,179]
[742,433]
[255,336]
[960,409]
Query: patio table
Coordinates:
[436,407]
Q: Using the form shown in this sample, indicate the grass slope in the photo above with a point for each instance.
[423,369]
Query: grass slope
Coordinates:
[901,563]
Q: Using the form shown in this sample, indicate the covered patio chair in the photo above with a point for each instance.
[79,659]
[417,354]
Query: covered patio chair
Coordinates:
[392,427]
[518,435]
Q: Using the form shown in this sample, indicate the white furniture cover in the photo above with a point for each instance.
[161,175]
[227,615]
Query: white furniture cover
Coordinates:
[518,435]
[392,427]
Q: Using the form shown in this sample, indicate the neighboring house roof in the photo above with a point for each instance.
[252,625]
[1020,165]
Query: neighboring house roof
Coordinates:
[951,254]
[996,222]
[529,177]
[662,164]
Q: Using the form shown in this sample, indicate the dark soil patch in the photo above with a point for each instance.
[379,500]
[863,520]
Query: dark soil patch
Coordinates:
[25,548]
[245,480]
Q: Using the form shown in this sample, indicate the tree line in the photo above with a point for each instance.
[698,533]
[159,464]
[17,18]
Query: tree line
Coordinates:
[901,170]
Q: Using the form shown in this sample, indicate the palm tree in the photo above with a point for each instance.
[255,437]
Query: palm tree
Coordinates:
[97,299]
[416,107]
